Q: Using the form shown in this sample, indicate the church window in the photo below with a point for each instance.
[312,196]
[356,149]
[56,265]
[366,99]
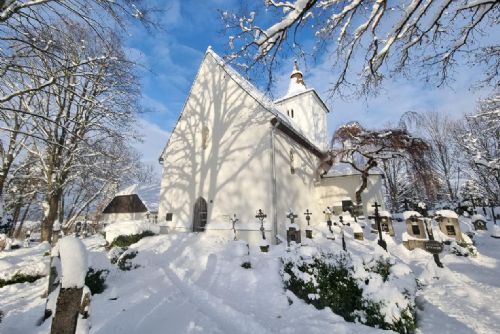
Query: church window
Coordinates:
[291,112]
[292,162]
[205,132]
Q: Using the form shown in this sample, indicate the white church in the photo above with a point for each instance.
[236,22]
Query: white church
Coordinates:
[233,152]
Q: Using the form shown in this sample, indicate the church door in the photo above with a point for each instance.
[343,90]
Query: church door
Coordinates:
[200,215]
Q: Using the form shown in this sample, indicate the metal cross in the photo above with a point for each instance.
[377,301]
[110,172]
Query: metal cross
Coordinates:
[261,216]
[328,216]
[308,216]
[342,224]
[292,217]
[234,220]
[381,242]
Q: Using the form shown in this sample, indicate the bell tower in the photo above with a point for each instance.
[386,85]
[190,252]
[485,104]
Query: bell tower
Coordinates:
[305,110]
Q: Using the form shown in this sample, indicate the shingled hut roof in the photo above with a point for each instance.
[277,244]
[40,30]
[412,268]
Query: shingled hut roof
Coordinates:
[125,204]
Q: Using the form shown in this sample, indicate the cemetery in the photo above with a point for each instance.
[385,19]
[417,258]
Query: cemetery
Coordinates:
[253,167]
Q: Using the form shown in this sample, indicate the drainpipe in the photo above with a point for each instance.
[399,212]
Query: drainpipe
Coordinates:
[273,180]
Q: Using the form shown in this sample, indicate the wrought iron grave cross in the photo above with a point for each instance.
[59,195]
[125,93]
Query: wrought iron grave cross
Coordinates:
[261,216]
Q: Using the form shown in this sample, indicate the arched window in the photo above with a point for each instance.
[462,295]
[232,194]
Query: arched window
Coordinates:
[292,162]
[292,113]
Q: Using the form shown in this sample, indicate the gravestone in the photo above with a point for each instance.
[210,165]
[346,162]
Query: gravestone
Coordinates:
[415,235]
[67,311]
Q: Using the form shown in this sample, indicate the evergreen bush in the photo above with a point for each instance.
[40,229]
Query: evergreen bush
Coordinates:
[95,280]
[19,278]
[124,262]
[331,280]
[246,265]
[127,240]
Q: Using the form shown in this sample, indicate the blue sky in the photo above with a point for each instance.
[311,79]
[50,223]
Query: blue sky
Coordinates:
[171,59]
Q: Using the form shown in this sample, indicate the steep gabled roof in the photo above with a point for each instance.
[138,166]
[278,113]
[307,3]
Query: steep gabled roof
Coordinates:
[126,204]
[258,96]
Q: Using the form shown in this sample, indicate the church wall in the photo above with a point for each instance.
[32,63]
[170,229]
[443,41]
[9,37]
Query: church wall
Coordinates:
[308,115]
[334,190]
[219,150]
[295,191]
[122,217]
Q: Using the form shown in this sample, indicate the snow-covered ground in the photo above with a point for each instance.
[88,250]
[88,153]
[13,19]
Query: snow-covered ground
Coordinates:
[190,283]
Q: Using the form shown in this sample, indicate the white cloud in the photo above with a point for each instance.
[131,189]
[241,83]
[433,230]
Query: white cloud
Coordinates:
[154,139]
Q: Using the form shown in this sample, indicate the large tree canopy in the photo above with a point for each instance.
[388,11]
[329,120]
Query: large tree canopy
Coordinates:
[370,39]
[365,149]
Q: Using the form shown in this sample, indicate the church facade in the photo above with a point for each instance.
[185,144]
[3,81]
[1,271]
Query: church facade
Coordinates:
[233,152]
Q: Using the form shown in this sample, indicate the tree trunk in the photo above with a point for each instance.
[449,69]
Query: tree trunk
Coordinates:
[364,180]
[50,216]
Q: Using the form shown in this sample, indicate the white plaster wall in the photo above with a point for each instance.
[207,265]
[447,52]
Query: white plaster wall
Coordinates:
[295,191]
[309,116]
[233,173]
[334,190]
[117,217]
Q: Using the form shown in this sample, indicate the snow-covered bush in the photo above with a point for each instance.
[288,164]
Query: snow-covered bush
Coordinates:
[462,249]
[127,240]
[375,292]
[129,228]
[19,277]
[124,262]
[95,280]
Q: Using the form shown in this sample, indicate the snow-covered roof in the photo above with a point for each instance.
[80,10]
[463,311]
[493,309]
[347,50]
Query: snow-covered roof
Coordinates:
[384,213]
[408,214]
[447,214]
[149,194]
[356,228]
[257,95]
[344,169]
[477,217]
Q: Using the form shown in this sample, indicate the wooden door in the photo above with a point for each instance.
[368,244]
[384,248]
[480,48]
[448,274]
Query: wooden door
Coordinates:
[200,215]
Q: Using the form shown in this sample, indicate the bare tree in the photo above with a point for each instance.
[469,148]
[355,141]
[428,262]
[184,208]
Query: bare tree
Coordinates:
[365,149]
[86,113]
[363,36]
[479,138]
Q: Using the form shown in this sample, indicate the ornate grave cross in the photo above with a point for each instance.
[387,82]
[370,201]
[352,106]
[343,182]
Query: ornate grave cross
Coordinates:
[261,216]
[234,220]
[381,242]
[308,216]
[431,237]
[292,217]
[342,224]
[308,219]
[328,217]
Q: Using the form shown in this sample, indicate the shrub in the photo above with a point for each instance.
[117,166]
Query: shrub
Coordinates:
[19,278]
[124,262]
[332,280]
[95,280]
[127,240]
[381,266]
[246,265]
